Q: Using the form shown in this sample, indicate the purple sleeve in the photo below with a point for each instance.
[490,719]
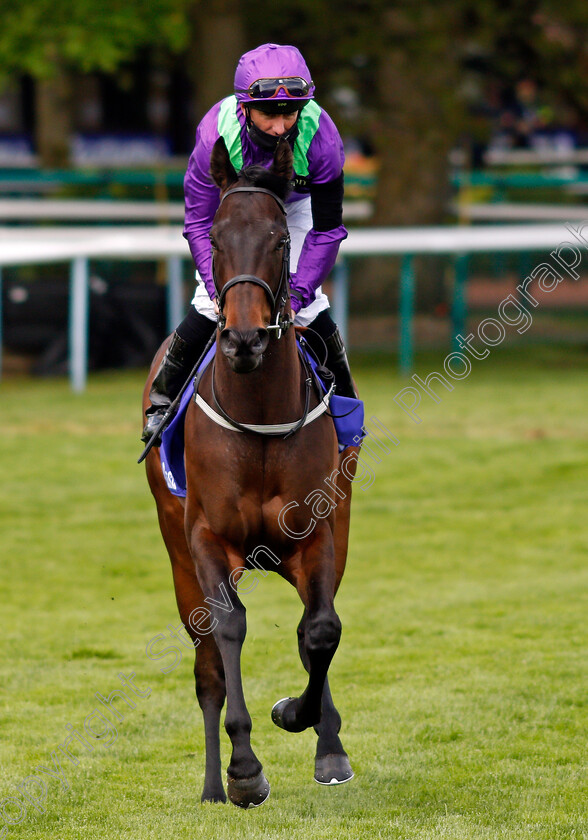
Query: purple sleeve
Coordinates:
[320,248]
[201,196]
[317,258]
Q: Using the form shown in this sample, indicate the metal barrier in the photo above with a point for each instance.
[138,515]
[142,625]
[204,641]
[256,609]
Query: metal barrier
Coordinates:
[77,246]
[458,241]
[510,211]
[107,210]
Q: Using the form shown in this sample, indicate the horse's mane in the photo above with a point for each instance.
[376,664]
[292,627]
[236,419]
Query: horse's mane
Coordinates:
[259,176]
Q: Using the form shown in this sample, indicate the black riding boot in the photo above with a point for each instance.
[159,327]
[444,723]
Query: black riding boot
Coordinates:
[173,372]
[337,361]
[185,348]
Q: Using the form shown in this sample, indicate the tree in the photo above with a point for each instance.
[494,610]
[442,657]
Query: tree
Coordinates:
[218,40]
[401,59]
[52,40]
[409,65]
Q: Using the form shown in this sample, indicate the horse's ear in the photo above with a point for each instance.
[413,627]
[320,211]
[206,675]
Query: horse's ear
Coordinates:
[283,164]
[222,170]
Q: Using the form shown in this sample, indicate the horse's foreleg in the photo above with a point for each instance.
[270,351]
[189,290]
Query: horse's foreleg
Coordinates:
[320,633]
[210,691]
[208,668]
[331,762]
[246,783]
[208,673]
[209,677]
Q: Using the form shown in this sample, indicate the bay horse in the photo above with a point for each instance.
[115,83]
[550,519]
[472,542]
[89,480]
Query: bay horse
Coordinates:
[248,494]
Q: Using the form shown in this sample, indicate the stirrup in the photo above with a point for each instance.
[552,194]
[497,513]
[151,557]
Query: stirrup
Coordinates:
[153,421]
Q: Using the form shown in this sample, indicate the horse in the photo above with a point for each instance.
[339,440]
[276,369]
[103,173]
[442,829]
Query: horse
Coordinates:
[249,494]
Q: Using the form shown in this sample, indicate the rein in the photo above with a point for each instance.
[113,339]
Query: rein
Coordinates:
[281,321]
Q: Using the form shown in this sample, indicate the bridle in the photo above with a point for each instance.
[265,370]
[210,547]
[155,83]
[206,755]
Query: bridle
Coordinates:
[279,318]
[281,323]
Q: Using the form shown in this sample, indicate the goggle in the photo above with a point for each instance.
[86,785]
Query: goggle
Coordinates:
[295,87]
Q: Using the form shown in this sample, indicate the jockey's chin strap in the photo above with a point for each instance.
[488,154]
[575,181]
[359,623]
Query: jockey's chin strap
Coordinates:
[280,319]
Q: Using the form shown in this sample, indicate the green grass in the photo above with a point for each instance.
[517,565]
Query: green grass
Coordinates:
[461,675]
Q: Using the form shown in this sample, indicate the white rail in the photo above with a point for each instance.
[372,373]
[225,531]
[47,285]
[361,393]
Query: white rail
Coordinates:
[99,210]
[79,245]
[537,157]
[455,240]
[510,211]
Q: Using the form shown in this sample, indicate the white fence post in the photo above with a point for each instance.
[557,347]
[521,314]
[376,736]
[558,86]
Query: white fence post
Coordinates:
[1,337]
[175,296]
[78,324]
[341,296]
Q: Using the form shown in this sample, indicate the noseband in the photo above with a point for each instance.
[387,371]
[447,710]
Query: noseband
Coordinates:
[281,321]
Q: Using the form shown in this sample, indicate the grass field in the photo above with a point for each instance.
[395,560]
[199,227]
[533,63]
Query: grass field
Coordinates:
[462,672]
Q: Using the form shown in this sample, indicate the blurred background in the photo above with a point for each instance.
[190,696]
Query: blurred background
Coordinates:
[461,676]
[452,113]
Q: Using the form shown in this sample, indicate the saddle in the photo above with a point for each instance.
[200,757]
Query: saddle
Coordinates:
[347,415]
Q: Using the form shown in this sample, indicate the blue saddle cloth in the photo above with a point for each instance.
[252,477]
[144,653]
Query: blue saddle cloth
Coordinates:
[347,416]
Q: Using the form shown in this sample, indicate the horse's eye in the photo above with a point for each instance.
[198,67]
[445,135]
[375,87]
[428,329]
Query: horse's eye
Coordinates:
[281,243]
[213,243]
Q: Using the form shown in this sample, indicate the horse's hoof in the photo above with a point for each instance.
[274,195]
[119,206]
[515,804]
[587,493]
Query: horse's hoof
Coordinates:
[278,711]
[333,769]
[248,793]
[284,716]
[214,796]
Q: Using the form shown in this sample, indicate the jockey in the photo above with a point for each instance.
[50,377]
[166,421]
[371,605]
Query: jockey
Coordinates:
[273,97]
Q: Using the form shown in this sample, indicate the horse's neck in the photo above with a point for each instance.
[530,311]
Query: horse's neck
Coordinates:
[274,393]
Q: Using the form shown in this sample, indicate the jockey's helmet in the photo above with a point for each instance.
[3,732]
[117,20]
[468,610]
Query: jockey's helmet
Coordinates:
[273,78]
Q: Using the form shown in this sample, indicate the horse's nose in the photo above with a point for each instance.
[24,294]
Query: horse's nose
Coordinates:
[244,348]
